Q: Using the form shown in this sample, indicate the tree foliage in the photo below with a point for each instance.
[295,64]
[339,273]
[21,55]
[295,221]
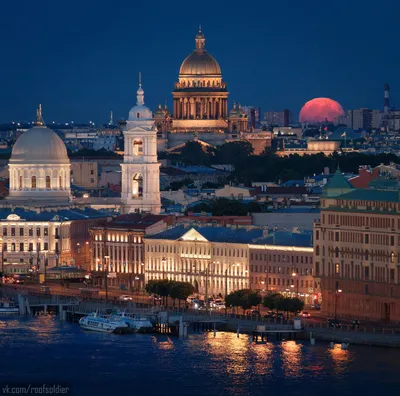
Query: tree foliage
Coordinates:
[168,288]
[244,298]
[275,301]
[269,166]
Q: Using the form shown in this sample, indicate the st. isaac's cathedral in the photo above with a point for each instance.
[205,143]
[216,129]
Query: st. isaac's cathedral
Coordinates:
[200,104]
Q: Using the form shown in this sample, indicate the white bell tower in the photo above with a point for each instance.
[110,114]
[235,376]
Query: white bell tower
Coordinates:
[140,169]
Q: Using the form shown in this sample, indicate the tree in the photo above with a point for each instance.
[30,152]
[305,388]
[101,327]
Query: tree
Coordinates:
[181,291]
[194,154]
[243,298]
[271,300]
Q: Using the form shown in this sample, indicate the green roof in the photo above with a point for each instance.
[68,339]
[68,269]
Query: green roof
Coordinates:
[337,185]
[364,194]
[384,183]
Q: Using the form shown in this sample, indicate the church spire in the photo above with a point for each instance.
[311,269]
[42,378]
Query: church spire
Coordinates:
[39,116]
[200,41]
[140,92]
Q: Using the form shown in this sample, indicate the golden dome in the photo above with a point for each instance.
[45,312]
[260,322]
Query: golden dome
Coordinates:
[200,62]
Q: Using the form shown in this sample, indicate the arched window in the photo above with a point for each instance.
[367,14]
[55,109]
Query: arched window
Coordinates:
[137,186]
[33,181]
[60,182]
[137,115]
[48,182]
[20,183]
[138,147]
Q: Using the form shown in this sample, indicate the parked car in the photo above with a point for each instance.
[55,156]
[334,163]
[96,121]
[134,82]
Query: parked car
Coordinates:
[305,314]
[219,304]
[255,314]
[334,323]
[125,297]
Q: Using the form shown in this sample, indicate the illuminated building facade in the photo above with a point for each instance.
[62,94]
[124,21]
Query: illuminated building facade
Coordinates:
[356,251]
[39,225]
[284,269]
[117,248]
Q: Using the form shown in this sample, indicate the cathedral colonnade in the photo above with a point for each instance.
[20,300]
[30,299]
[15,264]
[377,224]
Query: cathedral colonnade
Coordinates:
[32,178]
[201,108]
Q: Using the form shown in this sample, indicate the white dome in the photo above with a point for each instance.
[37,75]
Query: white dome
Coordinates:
[140,112]
[39,145]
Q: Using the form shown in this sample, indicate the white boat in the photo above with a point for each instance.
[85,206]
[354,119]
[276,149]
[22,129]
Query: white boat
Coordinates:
[105,325]
[8,307]
[135,324]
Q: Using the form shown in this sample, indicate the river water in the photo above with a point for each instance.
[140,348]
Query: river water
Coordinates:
[44,350]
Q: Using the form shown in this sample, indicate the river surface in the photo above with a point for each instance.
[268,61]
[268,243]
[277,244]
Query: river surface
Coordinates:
[45,350]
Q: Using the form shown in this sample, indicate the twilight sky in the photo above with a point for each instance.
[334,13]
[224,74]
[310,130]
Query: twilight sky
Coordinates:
[80,59]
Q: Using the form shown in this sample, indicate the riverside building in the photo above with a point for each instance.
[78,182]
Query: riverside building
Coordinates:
[356,251]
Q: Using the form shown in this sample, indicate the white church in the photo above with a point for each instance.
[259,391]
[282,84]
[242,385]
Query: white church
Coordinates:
[40,225]
[140,169]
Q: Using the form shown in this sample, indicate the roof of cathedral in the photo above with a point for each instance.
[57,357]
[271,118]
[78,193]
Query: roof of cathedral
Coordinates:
[39,145]
[200,62]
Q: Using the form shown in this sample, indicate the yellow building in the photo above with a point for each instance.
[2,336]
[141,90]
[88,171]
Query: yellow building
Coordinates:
[84,173]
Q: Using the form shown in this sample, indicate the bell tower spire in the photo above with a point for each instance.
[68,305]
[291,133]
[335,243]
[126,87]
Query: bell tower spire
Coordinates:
[140,92]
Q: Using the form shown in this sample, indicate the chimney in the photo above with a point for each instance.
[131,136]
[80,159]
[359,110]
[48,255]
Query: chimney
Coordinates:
[286,117]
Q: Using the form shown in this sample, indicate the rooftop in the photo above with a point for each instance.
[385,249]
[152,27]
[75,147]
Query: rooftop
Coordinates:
[243,235]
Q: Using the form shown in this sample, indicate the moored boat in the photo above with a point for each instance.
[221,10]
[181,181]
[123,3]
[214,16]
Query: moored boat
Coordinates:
[8,307]
[136,324]
[102,324]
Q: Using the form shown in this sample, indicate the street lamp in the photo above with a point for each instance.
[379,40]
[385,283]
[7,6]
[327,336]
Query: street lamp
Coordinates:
[297,283]
[105,276]
[226,282]
[337,291]
[163,262]
[2,257]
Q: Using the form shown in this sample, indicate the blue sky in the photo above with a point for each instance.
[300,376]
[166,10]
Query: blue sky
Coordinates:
[80,59]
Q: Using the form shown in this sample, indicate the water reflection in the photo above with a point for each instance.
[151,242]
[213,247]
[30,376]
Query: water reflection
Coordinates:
[233,351]
[340,358]
[291,358]
[263,358]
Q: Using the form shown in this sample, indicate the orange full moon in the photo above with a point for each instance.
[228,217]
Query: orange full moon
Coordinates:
[321,110]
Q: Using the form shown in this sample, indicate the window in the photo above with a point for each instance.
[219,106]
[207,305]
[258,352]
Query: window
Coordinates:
[46,246]
[38,232]
[337,268]
[30,246]
[33,182]
[20,183]
[48,183]
[4,247]
[92,172]
[21,231]
[21,247]
[13,247]
[366,238]
[336,236]
[317,235]
[12,231]
[336,252]
[392,240]
[46,231]
[30,232]
[4,231]
[366,289]
[366,272]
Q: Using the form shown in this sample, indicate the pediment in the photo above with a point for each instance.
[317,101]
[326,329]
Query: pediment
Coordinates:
[193,235]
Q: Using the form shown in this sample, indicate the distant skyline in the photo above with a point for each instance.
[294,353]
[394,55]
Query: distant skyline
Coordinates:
[81,59]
